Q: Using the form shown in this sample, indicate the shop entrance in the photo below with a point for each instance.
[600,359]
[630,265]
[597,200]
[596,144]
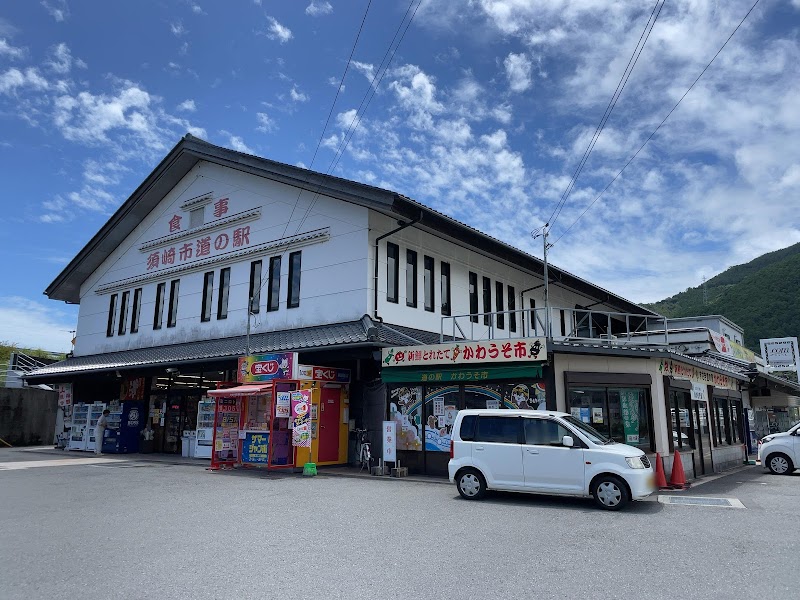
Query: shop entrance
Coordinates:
[180,416]
[702,435]
[329,424]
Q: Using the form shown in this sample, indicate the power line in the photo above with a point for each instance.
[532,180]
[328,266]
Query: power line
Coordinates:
[637,52]
[368,96]
[631,159]
[330,113]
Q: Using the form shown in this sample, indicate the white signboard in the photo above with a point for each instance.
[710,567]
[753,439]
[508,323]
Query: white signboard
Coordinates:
[699,391]
[781,353]
[283,408]
[389,441]
[64,394]
[467,353]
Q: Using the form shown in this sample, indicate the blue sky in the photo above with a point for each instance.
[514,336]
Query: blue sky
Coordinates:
[484,113]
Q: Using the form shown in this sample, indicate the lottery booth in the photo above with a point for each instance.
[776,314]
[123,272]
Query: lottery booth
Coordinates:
[282,415]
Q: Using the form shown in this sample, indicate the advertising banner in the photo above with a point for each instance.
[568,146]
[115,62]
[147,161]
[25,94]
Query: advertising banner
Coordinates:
[255,448]
[467,353]
[64,395]
[323,374]
[301,418]
[266,367]
[389,441]
[676,370]
[629,406]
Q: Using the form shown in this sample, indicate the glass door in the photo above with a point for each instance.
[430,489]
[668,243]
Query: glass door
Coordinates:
[440,406]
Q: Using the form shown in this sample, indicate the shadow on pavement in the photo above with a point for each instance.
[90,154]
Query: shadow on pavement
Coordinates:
[649,506]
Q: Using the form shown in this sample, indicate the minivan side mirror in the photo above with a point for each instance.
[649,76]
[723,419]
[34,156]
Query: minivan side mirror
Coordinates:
[567,441]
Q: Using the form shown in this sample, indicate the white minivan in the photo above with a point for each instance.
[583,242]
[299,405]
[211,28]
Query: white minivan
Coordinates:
[780,452]
[544,452]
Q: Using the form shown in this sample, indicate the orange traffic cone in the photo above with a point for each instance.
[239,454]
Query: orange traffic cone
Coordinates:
[677,479]
[661,479]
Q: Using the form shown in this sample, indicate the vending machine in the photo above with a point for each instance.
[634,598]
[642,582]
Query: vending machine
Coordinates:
[124,428]
[95,412]
[205,428]
[79,431]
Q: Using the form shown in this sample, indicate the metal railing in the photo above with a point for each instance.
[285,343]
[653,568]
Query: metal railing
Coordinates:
[566,324]
[19,365]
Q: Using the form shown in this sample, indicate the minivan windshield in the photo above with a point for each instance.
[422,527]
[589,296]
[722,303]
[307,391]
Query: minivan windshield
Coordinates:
[587,430]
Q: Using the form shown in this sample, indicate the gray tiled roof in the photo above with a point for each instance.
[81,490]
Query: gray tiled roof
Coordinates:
[337,334]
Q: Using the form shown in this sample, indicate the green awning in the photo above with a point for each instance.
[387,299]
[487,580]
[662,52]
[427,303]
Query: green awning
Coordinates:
[464,374]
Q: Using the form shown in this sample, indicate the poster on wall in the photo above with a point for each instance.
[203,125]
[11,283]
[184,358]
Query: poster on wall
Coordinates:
[283,405]
[629,405]
[437,430]
[301,422]
[405,409]
[597,415]
[438,406]
[576,412]
[522,395]
[132,389]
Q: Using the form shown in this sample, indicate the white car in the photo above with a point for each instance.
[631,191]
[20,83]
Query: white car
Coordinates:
[780,452]
[544,452]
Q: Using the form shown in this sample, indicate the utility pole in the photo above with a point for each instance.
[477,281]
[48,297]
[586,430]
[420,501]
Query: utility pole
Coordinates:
[544,232]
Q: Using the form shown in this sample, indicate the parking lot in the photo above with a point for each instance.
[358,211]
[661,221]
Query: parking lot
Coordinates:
[142,529]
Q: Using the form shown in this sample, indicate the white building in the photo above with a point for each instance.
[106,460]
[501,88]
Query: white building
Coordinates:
[337,270]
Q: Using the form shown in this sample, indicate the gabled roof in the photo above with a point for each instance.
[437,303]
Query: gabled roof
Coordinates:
[191,150]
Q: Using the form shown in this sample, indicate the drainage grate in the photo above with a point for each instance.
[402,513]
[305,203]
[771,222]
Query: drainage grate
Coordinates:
[701,501]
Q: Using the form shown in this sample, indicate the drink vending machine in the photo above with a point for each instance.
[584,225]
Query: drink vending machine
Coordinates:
[125,424]
[204,439]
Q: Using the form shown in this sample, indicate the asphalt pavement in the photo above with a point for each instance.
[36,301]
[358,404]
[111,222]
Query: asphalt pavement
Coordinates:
[137,528]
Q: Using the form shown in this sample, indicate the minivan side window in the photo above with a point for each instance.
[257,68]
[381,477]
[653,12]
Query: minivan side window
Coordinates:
[467,431]
[544,432]
[500,430]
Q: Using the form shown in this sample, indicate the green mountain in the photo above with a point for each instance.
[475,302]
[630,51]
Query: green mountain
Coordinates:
[762,297]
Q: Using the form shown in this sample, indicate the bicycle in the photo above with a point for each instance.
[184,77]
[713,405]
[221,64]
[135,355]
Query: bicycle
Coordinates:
[364,450]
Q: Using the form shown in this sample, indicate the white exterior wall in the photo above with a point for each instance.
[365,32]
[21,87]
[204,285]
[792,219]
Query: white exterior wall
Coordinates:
[616,364]
[462,261]
[333,287]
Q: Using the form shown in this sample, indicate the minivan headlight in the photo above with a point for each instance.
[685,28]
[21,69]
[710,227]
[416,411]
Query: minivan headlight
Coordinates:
[768,438]
[635,462]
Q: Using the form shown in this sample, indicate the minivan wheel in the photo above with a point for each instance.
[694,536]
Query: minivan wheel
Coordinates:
[471,484]
[780,464]
[610,493]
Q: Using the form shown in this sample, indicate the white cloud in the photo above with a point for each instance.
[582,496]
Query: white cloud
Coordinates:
[518,72]
[187,106]
[61,60]
[297,95]
[184,49]
[10,51]
[277,32]
[178,29]
[197,9]
[265,123]
[319,7]
[37,325]
[57,9]
[14,79]
[237,143]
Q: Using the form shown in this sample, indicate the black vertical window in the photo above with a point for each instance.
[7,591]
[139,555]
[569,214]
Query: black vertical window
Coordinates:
[172,314]
[293,299]
[255,286]
[512,306]
[392,272]
[445,268]
[411,278]
[498,300]
[224,288]
[112,315]
[208,290]
[123,313]
[136,310]
[158,314]
[274,290]
[487,300]
[532,304]
[563,322]
[473,297]
[427,265]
